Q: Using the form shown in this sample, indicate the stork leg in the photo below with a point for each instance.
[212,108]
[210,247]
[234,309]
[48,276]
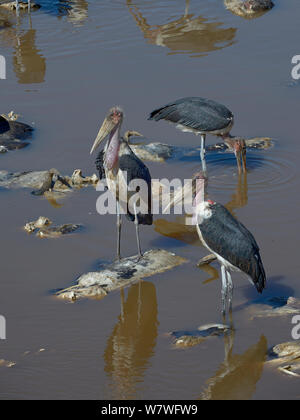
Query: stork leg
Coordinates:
[244,159]
[17,7]
[224,290]
[119,225]
[29,5]
[241,157]
[238,160]
[230,290]
[202,152]
[136,222]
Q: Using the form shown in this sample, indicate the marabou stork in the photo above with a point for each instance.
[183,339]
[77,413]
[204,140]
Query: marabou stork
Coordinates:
[121,166]
[230,241]
[199,116]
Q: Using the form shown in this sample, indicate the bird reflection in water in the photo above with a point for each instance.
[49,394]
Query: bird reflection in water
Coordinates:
[187,34]
[238,375]
[132,342]
[76,11]
[28,62]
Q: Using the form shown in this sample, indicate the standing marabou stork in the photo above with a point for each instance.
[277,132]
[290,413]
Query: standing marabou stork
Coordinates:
[199,116]
[121,166]
[230,241]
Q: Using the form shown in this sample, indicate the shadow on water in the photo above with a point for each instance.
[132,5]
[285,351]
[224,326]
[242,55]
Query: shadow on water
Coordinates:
[167,243]
[78,9]
[275,289]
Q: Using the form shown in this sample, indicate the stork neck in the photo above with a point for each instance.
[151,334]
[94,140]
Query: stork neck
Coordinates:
[112,151]
[198,200]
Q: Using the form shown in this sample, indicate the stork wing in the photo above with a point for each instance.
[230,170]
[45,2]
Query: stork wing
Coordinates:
[231,240]
[199,114]
[132,170]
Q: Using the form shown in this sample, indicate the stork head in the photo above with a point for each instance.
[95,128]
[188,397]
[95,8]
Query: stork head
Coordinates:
[199,187]
[112,121]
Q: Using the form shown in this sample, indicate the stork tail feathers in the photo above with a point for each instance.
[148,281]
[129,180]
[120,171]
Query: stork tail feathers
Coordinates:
[260,280]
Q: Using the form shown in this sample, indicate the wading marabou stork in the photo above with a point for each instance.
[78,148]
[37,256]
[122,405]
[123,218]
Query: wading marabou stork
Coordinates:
[230,241]
[121,166]
[199,116]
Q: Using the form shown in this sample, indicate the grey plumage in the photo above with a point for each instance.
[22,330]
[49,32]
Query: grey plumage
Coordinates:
[100,165]
[136,170]
[231,240]
[196,113]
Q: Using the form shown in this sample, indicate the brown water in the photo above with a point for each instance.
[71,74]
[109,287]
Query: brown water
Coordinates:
[65,68]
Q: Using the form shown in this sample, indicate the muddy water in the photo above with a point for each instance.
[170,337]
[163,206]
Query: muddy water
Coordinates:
[66,65]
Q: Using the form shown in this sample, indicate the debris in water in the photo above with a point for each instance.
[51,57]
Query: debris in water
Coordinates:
[185,339]
[249,8]
[276,306]
[121,273]
[42,227]
[46,183]
[287,355]
[207,260]
[5,363]
[23,5]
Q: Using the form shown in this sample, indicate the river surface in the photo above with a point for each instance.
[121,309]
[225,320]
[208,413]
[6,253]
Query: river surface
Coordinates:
[67,64]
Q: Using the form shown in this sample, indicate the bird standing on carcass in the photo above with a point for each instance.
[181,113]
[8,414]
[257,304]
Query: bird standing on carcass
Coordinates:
[121,168]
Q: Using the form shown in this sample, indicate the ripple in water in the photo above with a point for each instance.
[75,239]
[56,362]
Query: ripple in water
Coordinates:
[268,172]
